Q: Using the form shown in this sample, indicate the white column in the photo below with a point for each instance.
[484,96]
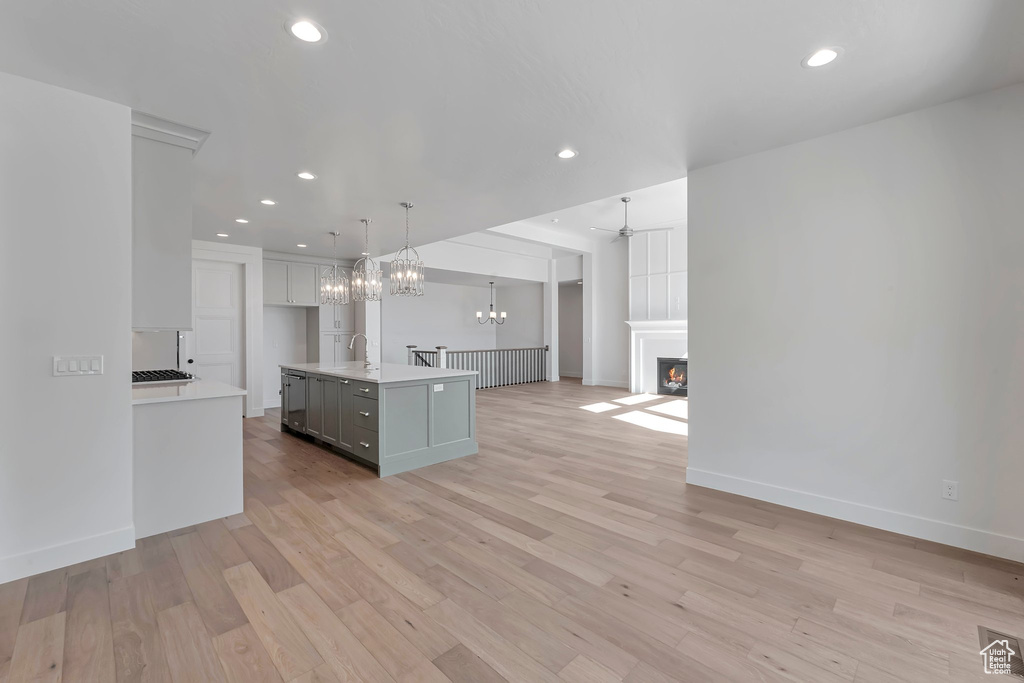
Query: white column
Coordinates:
[551,320]
[588,318]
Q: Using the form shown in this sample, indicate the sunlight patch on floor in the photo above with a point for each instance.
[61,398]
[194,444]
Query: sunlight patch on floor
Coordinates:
[675,408]
[600,407]
[637,398]
[654,422]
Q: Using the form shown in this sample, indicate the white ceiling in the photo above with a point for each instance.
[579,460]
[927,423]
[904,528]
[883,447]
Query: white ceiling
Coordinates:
[460,106]
[659,206]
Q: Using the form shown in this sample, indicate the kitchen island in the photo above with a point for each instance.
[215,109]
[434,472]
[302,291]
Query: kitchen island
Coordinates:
[393,418]
[187,452]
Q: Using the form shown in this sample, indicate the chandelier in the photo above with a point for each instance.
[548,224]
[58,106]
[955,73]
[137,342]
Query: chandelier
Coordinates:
[367,281]
[406,267]
[492,317]
[334,286]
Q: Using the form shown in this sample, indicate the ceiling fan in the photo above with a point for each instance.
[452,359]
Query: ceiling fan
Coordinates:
[625,230]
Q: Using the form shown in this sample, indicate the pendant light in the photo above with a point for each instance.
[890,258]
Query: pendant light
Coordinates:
[367,281]
[334,286]
[492,316]
[406,267]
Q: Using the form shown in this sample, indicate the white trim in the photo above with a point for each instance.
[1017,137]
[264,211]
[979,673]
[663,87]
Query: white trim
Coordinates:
[155,128]
[65,554]
[605,383]
[251,259]
[978,540]
[576,375]
[302,258]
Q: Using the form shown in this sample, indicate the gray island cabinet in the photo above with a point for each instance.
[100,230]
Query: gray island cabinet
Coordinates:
[394,418]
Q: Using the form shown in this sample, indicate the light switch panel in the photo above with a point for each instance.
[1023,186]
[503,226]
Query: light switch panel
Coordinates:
[438,387]
[72,366]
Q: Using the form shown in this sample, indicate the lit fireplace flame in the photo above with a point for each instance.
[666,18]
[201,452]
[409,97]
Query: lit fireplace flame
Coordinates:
[674,376]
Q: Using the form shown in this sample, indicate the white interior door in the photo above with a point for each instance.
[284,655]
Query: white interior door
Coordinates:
[215,349]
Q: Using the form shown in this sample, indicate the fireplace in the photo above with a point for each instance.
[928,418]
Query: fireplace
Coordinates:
[672,376]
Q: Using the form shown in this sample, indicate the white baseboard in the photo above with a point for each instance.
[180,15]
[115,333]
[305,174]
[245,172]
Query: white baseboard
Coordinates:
[978,540]
[577,375]
[274,402]
[56,556]
[605,383]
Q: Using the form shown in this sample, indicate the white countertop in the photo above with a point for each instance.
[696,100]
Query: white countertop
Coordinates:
[381,373]
[185,391]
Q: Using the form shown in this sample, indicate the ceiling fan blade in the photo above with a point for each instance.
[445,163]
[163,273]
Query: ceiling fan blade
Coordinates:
[604,229]
[616,239]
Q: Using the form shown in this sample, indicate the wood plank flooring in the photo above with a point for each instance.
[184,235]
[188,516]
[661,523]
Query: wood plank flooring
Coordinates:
[569,550]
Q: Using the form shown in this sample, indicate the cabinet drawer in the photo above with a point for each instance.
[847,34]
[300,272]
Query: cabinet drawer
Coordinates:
[364,389]
[364,444]
[364,413]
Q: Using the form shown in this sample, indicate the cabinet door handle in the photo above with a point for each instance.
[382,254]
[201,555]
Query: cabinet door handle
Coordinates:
[364,413]
[343,381]
[365,390]
[364,444]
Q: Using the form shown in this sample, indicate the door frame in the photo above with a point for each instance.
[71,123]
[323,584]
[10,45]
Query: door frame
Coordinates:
[251,259]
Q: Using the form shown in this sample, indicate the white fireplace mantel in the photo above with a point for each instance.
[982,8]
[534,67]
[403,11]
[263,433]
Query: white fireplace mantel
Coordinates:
[649,339]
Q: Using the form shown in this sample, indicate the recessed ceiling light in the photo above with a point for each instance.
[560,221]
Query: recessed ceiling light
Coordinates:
[592,227]
[301,246]
[222,234]
[307,31]
[268,202]
[567,153]
[241,220]
[306,175]
[554,220]
[820,57]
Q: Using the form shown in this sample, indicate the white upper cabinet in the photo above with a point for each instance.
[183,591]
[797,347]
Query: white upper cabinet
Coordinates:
[275,282]
[161,236]
[290,284]
[304,283]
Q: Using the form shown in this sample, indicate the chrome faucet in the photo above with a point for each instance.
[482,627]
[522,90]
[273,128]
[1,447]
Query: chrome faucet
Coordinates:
[366,348]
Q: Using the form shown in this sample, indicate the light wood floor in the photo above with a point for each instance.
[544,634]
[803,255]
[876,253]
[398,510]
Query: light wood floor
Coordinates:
[570,550]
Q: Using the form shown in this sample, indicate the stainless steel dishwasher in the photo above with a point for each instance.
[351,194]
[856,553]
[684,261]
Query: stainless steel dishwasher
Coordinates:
[293,407]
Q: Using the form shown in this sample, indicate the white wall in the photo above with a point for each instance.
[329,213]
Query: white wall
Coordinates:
[525,307]
[65,217]
[857,324]
[570,330]
[284,341]
[570,268]
[443,316]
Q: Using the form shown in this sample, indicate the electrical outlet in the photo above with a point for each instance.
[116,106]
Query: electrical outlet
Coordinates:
[950,489]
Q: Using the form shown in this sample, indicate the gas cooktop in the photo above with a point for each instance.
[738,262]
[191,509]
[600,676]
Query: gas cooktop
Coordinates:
[150,376]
